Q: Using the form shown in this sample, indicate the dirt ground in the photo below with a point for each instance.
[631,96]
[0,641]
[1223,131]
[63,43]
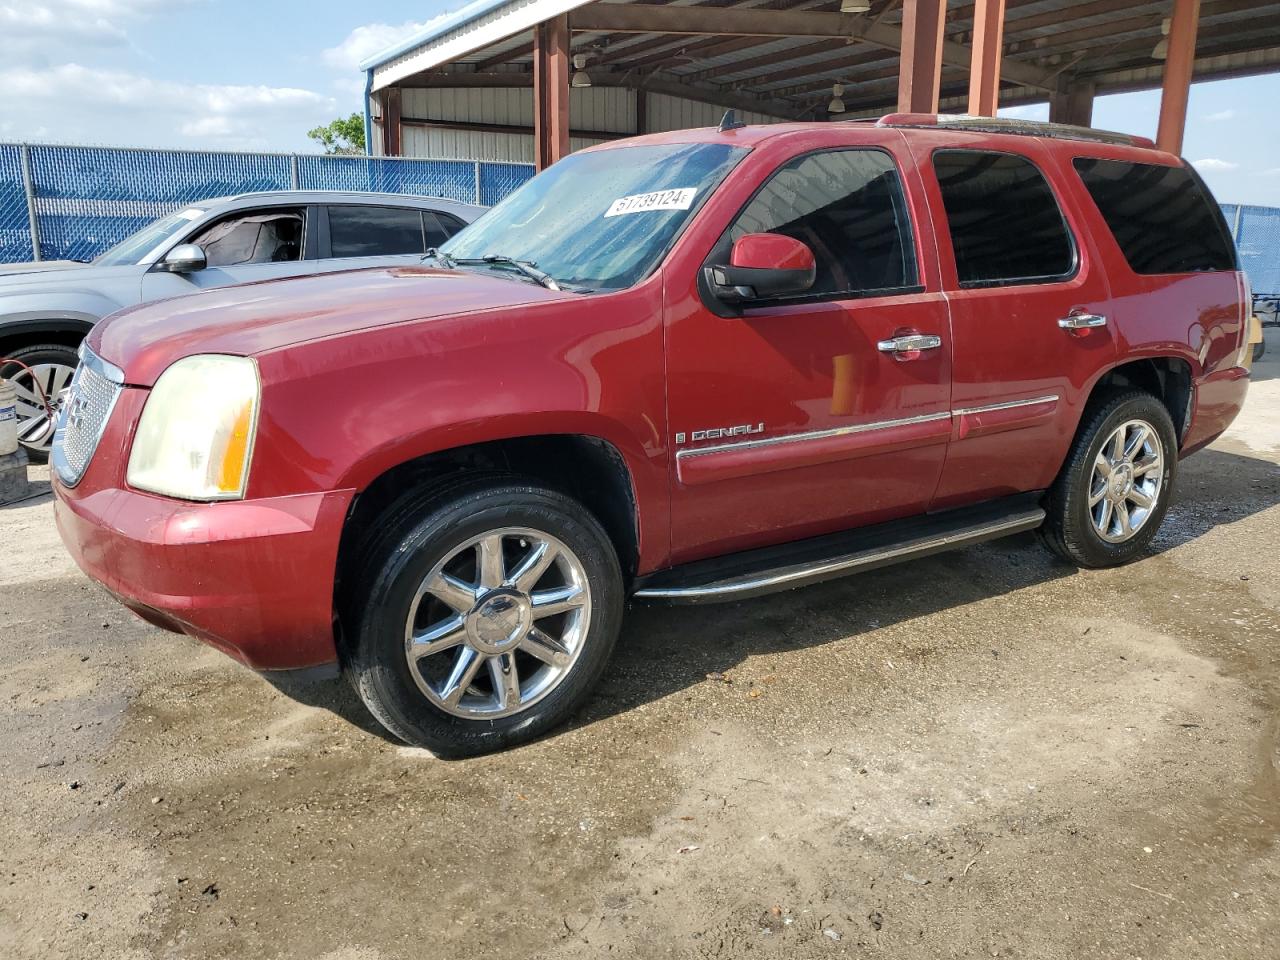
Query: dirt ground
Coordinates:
[983,754]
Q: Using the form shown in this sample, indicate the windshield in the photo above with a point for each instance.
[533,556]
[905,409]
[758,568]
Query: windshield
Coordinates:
[136,246]
[601,220]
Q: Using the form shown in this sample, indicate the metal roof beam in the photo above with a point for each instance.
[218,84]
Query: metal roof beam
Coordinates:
[698,21]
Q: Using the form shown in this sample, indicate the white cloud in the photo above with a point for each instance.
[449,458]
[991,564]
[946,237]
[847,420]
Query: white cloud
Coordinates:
[1221,115]
[33,32]
[364,41]
[111,106]
[1214,165]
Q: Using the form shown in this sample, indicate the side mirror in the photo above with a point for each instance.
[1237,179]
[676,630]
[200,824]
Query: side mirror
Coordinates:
[184,258]
[763,266]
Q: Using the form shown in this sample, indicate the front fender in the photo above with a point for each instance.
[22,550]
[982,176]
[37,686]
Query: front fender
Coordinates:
[40,312]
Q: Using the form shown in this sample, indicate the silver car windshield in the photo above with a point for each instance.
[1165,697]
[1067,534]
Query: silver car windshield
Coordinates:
[133,248]
[600,220]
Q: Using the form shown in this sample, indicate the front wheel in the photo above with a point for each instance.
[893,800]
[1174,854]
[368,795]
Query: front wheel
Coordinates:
[40,381]
[1111,496]
[485,618]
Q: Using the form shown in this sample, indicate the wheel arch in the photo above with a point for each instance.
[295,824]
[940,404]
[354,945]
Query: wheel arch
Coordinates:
[66,328]
[1168,378]
[589,468]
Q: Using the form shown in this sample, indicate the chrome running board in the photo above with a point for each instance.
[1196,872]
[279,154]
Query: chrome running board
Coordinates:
[758,572]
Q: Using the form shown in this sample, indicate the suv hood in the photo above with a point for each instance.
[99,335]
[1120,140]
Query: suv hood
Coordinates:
[39,266]
[58,273]
[255,318]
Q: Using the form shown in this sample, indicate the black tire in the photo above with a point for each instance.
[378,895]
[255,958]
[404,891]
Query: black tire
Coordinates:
[418,532]
[33,356]
[1259,349]
[1069,528]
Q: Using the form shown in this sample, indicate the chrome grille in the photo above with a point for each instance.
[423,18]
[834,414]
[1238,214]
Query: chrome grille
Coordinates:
[83,418]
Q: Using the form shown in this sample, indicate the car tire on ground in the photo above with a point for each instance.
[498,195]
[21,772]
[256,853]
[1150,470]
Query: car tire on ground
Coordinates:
[52,365]
[482,612]
[1113,491]
[1259,350]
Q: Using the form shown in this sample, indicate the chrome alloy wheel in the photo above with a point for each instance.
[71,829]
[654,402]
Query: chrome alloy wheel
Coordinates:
[498,623]
[35,429]
[1127,477]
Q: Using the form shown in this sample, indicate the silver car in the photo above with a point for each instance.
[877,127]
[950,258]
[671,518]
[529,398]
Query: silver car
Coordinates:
[46,308]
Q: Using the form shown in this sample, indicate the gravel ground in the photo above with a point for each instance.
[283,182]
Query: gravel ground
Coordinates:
[986,753]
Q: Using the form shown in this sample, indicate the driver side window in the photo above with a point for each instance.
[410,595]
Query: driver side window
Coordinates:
[254,236]
[847,206]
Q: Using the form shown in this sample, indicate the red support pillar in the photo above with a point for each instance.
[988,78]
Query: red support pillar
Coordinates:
[551,90]
[1177,75]
[920,71]
[984,70]
[392,131]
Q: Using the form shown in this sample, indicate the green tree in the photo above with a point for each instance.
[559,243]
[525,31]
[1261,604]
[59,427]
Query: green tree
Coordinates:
[344,135]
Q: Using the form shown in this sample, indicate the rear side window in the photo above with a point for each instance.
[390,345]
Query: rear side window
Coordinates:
[374,231]
[1006,226]
[848,207]
[1162,217]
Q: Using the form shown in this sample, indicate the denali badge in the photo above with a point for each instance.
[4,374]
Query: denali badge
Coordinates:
[721,433]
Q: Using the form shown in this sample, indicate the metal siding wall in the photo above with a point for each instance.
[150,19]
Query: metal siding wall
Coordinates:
[676,113]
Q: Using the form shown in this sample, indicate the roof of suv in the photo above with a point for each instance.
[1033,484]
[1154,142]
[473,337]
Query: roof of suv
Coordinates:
[961,125]
[340,196]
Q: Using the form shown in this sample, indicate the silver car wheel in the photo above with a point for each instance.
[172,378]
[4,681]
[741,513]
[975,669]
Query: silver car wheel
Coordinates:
[498,623]
[1127,477]
[35,428]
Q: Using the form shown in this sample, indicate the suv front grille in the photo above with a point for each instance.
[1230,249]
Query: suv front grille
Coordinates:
[85,411]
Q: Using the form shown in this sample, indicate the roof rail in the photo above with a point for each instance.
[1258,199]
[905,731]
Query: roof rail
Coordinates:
[1026,128]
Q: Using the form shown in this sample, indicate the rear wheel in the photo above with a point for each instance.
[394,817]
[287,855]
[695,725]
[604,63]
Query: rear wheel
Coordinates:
[1111,496]
[485,618]
[40,381]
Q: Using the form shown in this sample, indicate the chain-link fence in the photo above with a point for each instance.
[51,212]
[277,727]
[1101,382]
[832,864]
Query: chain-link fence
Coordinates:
[1257,234]
[84,199]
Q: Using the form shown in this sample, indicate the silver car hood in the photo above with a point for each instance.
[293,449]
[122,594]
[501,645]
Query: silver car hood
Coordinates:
[62,273]
[43,266]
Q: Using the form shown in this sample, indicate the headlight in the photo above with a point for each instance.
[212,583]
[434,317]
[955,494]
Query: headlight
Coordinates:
[195,438]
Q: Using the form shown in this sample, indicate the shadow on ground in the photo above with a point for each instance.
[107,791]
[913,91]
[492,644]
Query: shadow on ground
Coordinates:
[664,650]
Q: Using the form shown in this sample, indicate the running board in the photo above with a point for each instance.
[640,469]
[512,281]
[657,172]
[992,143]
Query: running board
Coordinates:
[754,573]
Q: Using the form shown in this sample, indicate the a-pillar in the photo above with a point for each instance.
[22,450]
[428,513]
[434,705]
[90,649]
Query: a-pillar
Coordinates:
[920,71]
[1072,103]
[984,70]
[551,90]
[1177,75]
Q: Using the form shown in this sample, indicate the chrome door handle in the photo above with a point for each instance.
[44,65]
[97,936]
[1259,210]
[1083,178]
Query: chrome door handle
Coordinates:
[910,344]
[1082,321]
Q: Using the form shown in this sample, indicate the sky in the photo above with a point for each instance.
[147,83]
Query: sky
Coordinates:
[257,74]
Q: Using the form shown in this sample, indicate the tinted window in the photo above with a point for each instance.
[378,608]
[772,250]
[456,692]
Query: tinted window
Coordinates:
[1004,221]
[437,227]
[1162,217]
[259,236]
[374,231]
[847,206]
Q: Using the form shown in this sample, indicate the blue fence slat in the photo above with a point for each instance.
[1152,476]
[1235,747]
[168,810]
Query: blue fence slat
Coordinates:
[1257,235]
[499,179]
[88,198]
[15,232]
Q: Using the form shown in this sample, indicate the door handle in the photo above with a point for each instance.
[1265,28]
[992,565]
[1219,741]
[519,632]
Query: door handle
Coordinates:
[913,343]
[1082,321]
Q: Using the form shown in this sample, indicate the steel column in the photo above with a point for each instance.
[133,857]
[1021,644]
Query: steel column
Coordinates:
[1073,103]
[920,71]
[988,46]
[392,130]
[551,90]
[1178,69]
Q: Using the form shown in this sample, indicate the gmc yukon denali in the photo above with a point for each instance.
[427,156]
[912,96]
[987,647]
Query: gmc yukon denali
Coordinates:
[688,367]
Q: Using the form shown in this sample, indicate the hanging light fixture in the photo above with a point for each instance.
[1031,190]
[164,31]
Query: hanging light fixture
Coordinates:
[580,76]
[1161,51]
[837,99]
[855,6]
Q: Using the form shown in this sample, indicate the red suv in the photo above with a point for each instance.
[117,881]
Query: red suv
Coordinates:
[688,367]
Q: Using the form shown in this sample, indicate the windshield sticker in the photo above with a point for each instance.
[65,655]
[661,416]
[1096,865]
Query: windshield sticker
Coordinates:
[680,198]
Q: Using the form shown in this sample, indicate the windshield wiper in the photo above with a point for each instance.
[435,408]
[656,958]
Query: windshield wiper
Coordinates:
[440,257]
[527,267]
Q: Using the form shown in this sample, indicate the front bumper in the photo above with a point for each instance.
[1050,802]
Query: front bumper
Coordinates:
[253,578]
